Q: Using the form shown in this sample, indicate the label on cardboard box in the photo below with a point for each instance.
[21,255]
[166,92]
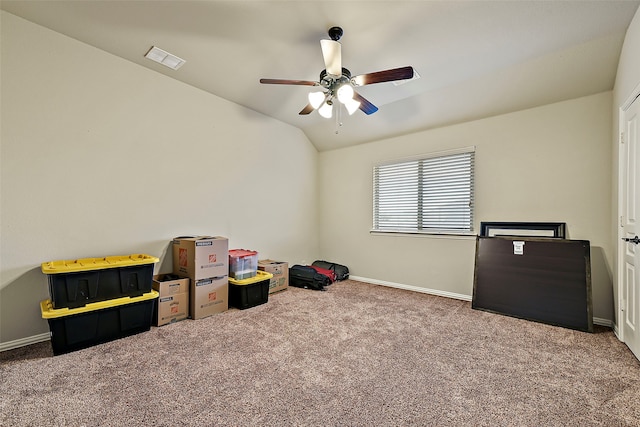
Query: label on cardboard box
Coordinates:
[200,257]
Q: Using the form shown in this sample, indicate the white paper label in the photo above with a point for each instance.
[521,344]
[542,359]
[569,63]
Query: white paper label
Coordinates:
[518,248]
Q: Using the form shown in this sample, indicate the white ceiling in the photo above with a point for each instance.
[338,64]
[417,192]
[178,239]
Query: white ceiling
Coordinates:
[475,58]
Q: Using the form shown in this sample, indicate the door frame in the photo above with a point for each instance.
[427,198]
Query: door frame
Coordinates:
[634,96]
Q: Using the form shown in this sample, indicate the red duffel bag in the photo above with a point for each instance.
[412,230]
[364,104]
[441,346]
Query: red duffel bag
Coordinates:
[330,274]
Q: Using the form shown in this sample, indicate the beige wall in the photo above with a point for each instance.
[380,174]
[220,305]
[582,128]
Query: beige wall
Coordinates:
[627,85]
[551,163]
[100,156]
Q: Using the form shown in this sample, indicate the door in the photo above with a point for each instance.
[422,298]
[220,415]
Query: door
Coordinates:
[630,248]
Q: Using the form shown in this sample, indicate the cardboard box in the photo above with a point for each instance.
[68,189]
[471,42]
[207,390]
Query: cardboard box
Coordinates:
[280,271]
[171,309]
[167,285]
[201,257]
[208,296]
[173,303]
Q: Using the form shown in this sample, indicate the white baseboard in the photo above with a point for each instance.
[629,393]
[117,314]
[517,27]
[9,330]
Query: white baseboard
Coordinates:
[596,320]
[413,288]
[603,322]
[10,345]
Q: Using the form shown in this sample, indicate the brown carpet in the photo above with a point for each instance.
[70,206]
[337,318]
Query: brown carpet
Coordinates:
[356,355]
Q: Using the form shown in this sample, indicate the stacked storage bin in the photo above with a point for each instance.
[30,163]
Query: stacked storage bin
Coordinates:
[95,300]
[248,287]
[243,264]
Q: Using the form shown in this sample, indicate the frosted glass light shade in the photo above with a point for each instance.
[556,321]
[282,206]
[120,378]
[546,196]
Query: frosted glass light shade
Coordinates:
[352,105]
[316,99]
[326,110]
[345,93]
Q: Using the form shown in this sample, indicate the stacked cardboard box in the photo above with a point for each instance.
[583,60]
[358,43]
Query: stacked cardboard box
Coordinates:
[205,261]
[173,302]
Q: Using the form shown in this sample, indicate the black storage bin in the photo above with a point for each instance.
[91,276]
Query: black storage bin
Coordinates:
[96,323]
[251,292]
[75,283]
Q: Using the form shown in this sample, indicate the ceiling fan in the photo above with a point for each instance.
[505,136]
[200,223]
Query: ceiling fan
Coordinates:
[338,84]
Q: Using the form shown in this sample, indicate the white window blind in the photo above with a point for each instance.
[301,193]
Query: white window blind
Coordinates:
[429,194]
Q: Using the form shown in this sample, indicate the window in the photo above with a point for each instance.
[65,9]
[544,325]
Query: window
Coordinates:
[430,194]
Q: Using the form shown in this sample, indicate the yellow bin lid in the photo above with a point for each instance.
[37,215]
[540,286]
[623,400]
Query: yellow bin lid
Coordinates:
[259,277]
[48,312]
[88,264]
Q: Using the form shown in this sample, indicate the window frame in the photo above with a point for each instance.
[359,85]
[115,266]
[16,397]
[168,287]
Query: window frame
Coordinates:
[430,231]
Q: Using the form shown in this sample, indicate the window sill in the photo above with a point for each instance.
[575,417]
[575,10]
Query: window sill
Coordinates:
[469,235]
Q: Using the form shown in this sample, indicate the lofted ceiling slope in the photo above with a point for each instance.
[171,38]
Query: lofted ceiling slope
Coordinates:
[475,58]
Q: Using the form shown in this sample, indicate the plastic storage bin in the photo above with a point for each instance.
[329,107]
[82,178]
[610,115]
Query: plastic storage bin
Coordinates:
[243,264]
[99,322]
[75,283]
[250,292]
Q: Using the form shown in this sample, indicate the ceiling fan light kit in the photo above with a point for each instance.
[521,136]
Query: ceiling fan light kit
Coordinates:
[345,93]
[326,110]
[338,84]
[352,106]
[316,99]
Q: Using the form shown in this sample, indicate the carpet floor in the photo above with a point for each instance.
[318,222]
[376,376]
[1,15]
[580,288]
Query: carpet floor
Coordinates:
[355,355]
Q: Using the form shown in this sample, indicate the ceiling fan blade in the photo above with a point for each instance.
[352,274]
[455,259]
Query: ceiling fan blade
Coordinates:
[366,107]
[306,110]
[402,73]
[332,54]
[288,82]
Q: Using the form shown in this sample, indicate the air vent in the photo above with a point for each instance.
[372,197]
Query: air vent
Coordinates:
[165,58]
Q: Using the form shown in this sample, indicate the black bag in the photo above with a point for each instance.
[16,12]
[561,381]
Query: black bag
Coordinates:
[303,276]
[342,272]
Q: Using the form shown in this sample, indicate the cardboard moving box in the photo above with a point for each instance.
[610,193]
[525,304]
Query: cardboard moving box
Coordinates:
[171,309]
[173,303]
[201,257]
[280,271]
[208,296]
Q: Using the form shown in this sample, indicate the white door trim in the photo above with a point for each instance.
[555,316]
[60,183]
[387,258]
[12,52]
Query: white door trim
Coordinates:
[618,329]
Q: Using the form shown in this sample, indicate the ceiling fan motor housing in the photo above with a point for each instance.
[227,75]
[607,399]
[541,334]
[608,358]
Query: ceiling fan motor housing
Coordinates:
[328,81]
